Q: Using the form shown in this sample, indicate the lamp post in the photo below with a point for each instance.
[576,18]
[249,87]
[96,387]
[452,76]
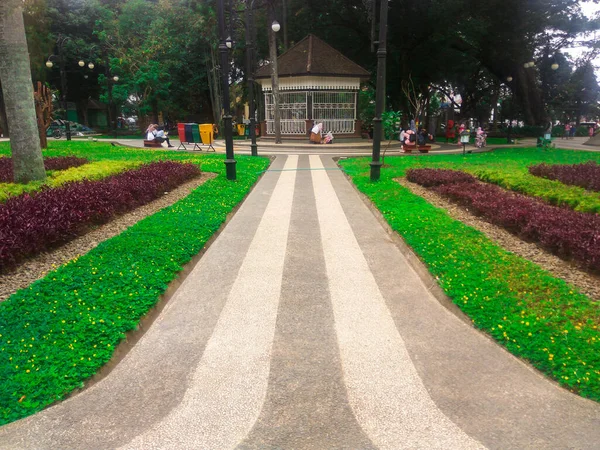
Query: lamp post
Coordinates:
[380,96]
[274,28]
[250,74]
[229,156]
[60,42]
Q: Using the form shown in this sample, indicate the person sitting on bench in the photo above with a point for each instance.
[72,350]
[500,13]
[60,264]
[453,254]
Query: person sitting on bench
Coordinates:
[156,135]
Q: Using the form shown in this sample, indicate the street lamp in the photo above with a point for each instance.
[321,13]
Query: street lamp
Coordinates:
[229,42]
[229,156]
[275,27]
[250,75]
[380,96]
[554,66]
[60,42]
[91,65]
[509,79]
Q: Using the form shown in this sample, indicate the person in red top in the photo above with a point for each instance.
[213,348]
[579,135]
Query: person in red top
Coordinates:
[567,131]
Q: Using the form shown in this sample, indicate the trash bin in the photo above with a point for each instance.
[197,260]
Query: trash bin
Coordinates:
[241,128]
[189,134]
[181,131]
[196,133]
[206,133]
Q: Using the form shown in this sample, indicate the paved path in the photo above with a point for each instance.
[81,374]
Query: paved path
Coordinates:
[304,327]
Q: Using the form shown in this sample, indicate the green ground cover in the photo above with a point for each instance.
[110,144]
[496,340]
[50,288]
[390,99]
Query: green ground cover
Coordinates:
[534,315]
[63,328]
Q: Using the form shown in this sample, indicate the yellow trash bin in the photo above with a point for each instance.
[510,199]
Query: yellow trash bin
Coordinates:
[206,133]
[241,128]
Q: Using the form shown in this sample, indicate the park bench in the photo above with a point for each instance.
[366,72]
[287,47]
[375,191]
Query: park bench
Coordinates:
[152,144]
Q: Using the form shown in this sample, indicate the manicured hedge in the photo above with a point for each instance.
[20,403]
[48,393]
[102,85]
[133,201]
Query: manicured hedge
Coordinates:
[56,163]
[585,175]
[30,224]
[92,171]
[64,328]
[533,314]
[564,232]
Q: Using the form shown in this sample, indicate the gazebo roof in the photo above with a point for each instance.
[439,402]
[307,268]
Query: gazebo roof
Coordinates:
[312,56]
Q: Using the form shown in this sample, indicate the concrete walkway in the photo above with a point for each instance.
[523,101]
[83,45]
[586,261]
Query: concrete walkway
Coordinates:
[303,326]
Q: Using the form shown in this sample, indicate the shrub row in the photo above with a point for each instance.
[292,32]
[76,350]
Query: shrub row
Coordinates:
[30,224]
[93,171]
[586,175]
[51,163]
[533,314]
[564,232]
[437,177]
[64,328]
[553,192]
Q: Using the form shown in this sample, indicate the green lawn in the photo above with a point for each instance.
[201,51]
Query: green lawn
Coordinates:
[63,328]
[534,315]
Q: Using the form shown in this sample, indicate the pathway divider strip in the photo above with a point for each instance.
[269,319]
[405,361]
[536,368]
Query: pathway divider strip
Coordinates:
[384,390]
[229,386]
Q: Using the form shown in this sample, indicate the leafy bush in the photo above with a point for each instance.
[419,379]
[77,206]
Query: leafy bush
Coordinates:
[553,192]
[30,224]
[437,177]
[91,171]
[586,175]
[564,232]
[533,314]
[55,163]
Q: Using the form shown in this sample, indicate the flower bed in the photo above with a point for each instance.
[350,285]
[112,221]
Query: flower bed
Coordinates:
[585,175]
[30,224]
[51,163]
[64,328]
[566,233]
[534,315]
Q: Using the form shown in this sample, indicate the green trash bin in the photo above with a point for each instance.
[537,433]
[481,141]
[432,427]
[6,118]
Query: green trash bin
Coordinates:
[196,134]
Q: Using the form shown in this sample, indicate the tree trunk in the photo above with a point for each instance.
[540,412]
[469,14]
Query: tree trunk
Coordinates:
[17,87]
[4,132]
[213,85]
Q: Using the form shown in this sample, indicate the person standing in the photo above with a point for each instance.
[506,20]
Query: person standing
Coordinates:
[567,131]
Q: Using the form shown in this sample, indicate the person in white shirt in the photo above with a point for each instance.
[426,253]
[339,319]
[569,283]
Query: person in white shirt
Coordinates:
[156,135]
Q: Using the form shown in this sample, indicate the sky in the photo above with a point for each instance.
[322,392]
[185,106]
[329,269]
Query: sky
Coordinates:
[589,9]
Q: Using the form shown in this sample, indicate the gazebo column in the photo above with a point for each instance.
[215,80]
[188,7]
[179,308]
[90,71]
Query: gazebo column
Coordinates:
[309,113]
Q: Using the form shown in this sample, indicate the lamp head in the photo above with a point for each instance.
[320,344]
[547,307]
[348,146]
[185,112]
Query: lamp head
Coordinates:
[229,42]
[275,26]
[91,65]
[49,64]
[115,78]
[554,66]
[509,79]
[81,63]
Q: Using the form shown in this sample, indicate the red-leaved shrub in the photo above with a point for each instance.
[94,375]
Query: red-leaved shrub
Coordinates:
[586,175]
[437,177]
[562,231]
[30,224]
[50,163]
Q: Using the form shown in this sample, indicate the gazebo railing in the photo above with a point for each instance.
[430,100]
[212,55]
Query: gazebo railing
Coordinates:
[293,108]
[336,110]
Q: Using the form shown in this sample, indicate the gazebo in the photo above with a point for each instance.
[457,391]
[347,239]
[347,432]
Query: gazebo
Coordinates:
[316,84]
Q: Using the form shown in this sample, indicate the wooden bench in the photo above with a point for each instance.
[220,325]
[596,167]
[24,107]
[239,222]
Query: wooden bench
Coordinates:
[152,144]
[421,148]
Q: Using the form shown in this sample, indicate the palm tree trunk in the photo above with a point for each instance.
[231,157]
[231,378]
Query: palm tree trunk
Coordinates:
[17,87]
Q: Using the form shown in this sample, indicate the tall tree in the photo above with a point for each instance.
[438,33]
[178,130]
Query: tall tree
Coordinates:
[18,94]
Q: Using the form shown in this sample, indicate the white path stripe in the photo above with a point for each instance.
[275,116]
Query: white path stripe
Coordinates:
[384,390]
[229,386]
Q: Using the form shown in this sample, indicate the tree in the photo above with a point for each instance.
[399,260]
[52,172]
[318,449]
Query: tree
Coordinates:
[17,88]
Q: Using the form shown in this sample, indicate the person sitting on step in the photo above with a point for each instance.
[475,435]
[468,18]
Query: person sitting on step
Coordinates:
[156,135]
